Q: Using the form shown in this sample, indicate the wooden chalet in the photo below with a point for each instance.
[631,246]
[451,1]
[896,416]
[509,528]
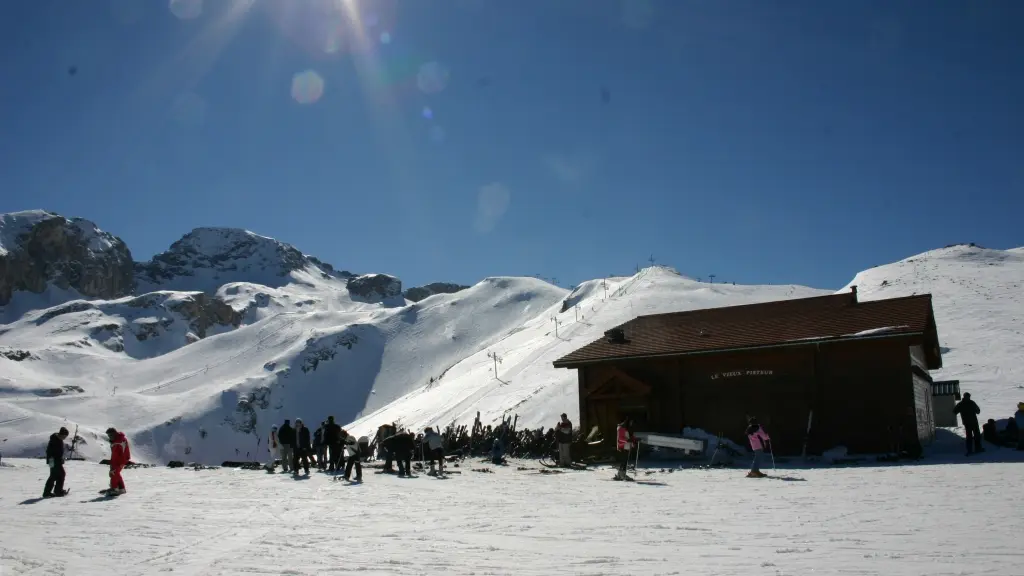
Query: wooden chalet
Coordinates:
[817,372]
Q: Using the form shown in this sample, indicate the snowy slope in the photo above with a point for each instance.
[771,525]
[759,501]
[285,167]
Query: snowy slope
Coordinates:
[226,324]
[526,383]
[892,521]
[979,312]
[217,395]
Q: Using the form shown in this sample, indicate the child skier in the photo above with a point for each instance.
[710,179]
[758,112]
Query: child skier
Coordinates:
[758,440]
[120,455]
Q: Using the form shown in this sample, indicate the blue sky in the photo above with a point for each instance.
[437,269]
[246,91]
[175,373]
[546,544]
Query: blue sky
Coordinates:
[763,142]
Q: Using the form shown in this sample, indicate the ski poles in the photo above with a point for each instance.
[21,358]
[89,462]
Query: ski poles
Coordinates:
[74,441]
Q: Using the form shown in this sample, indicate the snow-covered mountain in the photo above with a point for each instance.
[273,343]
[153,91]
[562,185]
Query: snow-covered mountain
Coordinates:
[979,312]
[229,332]
[206,259]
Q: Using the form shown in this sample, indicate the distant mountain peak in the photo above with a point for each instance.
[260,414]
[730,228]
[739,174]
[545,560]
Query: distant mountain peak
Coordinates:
[226,254]
[38,248]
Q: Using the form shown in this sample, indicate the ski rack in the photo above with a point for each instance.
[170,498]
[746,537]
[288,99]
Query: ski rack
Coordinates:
[688,445]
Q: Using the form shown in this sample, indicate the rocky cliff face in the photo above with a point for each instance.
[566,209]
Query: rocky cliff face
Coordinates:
[418,293]
[375,286]
[202,311]
[38,248]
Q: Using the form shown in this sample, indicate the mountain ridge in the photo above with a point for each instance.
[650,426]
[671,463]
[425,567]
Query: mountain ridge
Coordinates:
[205,259]
[201,374]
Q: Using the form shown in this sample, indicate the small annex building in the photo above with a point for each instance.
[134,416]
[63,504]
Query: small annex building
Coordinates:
[817,372]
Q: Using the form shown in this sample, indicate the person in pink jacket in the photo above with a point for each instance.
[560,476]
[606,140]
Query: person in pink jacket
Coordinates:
[758,441]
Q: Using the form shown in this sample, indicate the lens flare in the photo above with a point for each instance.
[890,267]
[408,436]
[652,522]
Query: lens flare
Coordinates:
[307,87]
[432,78]
[186,9]
[333,28]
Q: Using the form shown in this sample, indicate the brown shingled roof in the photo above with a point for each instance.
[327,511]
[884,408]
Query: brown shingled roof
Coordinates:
[790,322]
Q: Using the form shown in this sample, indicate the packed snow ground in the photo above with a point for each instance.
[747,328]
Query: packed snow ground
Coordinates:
[890,520]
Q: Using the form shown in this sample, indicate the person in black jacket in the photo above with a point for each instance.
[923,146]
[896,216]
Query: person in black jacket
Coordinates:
[563,432]
[55,460]
[302,447]
[318,445]
[400,447]
[286,437]
[968,412]
[333,441]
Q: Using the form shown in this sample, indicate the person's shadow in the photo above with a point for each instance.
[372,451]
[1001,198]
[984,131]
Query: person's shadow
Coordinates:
[31,501]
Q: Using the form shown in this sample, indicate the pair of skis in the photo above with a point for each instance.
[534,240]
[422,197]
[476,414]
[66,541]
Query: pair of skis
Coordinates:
[636,462]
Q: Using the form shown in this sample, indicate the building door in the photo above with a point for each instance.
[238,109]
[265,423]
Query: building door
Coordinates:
[612,398]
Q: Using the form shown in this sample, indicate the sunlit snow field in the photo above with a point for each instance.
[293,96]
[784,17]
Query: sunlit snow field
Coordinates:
[889,520]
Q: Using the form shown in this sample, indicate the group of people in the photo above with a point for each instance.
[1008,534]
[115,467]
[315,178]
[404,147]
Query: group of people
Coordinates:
[120,456]
[1011,435]
[399,446]
[330,447]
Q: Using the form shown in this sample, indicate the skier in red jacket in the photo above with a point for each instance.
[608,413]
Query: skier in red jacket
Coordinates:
[120,454]
[625,443]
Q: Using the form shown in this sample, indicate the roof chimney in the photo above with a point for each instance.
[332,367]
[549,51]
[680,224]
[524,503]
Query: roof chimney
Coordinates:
[616,336]
[853,290]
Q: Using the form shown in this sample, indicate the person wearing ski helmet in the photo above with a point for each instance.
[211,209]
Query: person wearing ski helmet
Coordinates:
[759,439]
[55,460]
